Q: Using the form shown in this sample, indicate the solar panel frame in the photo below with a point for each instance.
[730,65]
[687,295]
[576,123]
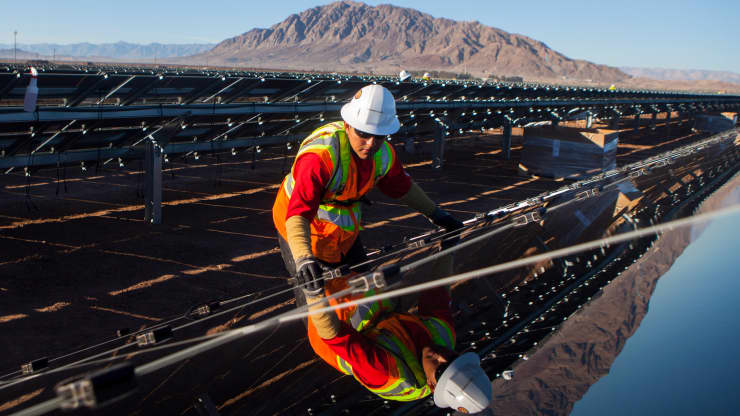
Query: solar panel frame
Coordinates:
[112,109]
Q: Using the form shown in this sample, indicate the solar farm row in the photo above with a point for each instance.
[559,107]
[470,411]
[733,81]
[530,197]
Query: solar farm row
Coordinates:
[105,113]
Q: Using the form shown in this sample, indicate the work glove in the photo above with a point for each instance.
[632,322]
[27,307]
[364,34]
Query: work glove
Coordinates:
[442,218]
[308,274]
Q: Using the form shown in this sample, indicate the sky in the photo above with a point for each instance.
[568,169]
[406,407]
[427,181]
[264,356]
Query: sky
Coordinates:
[677,34]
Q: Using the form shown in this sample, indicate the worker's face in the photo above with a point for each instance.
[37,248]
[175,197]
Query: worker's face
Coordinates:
[363,144]
[431,359]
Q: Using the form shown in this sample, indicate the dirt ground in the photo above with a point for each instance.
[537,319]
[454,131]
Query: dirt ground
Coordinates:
[78,262]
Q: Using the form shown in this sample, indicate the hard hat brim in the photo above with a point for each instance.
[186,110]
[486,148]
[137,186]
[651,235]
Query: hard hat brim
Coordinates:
[381,130]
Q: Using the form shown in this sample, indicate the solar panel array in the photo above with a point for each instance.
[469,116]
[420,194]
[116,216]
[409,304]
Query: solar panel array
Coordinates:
[104,113]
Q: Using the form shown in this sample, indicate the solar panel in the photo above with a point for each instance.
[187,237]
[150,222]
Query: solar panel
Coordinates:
[99,113]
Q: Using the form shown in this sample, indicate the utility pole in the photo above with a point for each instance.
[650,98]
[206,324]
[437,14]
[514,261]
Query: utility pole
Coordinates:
[15,36]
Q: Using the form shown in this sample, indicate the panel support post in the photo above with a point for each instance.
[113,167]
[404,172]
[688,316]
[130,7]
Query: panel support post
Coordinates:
[439,147]
[153,173]
[408,142]
[507,140]
[614,122]
[653,121]
[589,119]
[637,121]
[668,123]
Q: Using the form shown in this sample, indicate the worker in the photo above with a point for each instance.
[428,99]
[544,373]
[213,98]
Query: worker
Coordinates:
[404,75]
[397,355]
[426,76]
[317,213]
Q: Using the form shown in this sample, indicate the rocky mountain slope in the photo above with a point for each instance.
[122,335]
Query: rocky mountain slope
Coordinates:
[351,36]
[560,372]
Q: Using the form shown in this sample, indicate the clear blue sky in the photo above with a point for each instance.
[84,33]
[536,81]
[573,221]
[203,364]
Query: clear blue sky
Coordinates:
[678,34]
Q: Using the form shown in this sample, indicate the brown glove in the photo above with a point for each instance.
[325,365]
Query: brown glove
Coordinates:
[326,323]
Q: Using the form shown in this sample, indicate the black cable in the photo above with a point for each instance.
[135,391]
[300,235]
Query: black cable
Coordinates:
[409,268]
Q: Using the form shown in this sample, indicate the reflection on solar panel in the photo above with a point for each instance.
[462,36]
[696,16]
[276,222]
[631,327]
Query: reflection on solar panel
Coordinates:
[98,114]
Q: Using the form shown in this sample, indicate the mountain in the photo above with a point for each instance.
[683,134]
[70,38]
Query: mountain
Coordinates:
[121,51]
[568,363]
[350,36]
[19,54]
[683,74]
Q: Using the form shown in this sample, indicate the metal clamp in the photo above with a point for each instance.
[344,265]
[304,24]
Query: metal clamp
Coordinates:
[378,279]
[587,194]
[76,394]
[98,389]
[155,336]
[660,164]
[35,366]
[636,173]
[527,218]
[335,273]
[205,310]
[417,243]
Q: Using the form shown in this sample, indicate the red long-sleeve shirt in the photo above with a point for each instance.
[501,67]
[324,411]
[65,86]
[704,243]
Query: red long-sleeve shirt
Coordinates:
[312,178]
[370,362]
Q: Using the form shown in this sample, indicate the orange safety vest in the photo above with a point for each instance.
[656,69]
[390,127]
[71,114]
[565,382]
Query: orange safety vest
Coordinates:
[406,379]
[337,223]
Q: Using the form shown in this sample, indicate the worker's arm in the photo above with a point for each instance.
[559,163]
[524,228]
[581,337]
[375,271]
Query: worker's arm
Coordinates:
[311,178]
[397,184]
[298,229]
[436,302]
[369,362]
[326,323]
[417,199]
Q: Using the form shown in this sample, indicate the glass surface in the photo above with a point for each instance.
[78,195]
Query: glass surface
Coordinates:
[683,359]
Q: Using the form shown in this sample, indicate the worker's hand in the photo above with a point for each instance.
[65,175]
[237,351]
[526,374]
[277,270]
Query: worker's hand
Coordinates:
[442,218]
[308,274]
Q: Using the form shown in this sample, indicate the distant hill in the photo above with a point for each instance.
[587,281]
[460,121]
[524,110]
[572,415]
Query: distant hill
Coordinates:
[120,51]
[19,53]
[350,36]
[683,74]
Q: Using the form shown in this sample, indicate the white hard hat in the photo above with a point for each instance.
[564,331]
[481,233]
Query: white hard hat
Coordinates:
[404,75]
[464,386]
[372,110]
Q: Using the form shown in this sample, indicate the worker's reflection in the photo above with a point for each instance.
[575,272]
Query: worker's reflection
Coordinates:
[396,354]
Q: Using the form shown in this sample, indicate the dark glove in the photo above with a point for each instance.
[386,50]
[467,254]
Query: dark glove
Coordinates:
[308,274]
[442,218]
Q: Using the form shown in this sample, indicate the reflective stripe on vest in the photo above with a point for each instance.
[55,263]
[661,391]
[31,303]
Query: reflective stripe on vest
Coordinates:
[383,161]
[441,333]
[411,384]
[332,138]
[340,216]
[344,366]
[364,313]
